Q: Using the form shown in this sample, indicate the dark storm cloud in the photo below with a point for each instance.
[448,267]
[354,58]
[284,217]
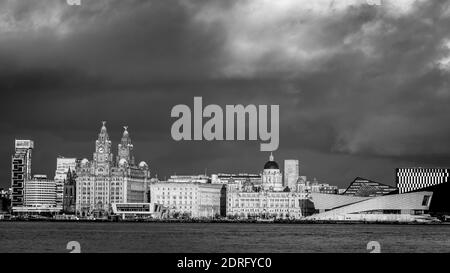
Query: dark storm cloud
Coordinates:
[106,44]
[362,89]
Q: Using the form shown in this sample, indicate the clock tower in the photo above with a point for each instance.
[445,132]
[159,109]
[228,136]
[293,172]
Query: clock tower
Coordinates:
[125,148]
[102,155]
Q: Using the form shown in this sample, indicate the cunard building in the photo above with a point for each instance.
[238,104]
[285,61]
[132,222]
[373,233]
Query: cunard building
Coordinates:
[268,200]
[106,180]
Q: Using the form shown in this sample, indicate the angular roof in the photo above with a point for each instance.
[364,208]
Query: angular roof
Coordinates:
[367,188]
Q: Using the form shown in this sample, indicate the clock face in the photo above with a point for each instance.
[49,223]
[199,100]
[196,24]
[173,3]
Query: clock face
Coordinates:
[100,149]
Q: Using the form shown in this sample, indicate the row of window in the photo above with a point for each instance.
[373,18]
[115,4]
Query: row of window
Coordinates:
[175,202]
[256,210]
[257,205]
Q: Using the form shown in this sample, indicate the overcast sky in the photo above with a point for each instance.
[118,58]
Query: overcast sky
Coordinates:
[362,89]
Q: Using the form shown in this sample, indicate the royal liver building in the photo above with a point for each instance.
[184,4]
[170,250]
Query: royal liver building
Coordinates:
[104,181]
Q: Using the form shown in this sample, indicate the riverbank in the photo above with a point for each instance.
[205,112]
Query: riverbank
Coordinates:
[223,221]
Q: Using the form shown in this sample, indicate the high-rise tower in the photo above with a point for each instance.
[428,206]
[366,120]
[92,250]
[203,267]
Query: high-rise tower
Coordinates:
[20,170]
[291,173]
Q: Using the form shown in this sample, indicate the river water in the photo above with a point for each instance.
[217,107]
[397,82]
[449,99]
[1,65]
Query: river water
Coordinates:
[220,237]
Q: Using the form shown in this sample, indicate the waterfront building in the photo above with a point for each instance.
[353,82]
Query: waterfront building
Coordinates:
[411,179]
[272,179]
[190,199]
[366,200]
[366,188]
[40,192]
[39,196]
[264,204]
[103,181]
[63,165]
[267,200]
[407,207]
[189,179]
[138,210]
[20,170]
[291,173]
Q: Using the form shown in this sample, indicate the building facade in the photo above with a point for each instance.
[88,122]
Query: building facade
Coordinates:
[212,200]
[408,207]
[40,192]
[190,199]
[267,200]
[291,173]
[20,170]
[63,166]
[103,181]
[411,179]
[139,210]
[39,197]
[264,204]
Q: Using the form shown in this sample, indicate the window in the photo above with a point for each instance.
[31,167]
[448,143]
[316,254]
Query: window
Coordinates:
[425,201]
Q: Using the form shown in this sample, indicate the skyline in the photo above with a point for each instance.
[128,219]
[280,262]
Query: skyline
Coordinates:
[154,173]
[362,89]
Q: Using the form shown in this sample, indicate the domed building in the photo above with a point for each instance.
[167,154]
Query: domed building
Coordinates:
[269,201]
[272,179]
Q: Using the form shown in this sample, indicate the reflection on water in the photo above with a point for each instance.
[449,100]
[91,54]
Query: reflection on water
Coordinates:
[228,238]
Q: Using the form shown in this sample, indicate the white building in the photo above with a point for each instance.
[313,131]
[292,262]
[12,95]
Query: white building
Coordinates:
[39,196]
[291,173]
[191,199]
[406,207]
[138,210]
[265,204]
[267,200]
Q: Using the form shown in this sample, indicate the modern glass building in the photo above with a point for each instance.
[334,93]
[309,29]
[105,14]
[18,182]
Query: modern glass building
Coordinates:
[370,201]
[367,188]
